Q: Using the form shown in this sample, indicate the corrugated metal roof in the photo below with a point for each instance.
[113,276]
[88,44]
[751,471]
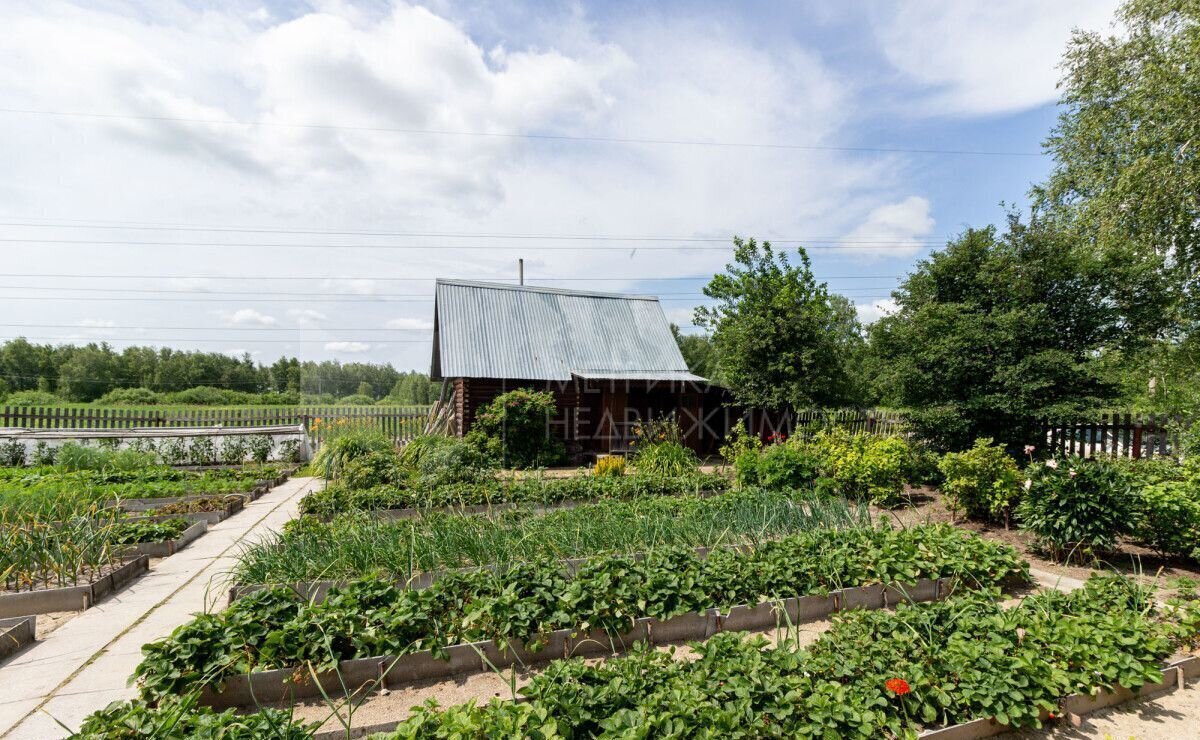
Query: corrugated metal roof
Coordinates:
[491,330]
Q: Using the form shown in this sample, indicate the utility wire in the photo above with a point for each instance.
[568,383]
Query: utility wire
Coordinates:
[507,135]
[836,244]
[407,279]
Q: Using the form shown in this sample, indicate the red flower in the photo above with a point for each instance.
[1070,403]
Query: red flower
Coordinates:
[897,686]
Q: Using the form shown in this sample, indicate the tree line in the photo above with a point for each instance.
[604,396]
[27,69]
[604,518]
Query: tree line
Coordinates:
[96,372]
[1088,300]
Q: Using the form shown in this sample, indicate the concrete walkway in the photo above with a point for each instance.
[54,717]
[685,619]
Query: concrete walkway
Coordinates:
[86,663]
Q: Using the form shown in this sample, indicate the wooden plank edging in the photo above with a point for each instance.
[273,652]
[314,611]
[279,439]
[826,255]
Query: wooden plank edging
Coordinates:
[370,674]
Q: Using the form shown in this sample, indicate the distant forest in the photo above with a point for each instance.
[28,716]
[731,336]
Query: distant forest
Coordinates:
[44,374]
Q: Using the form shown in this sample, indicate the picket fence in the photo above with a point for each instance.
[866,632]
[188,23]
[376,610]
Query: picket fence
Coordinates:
[1116,434]
[398,422]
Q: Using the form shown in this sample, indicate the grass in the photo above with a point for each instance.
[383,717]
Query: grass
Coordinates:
[358,544]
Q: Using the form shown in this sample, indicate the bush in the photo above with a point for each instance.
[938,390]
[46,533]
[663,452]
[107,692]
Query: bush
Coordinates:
[658,449]
[1076,507]
[44,454]
[454,461]
[375,468]
[788,465]
[32,398]
[202,451]
[173,451]
[203,395]
[12,453]
[864,467]
[612,466]
[515,429]
[339,449]
[260,446]
[739,441]
[233,450]
[130,397]
[357,399]
[1168,519]
[984,481]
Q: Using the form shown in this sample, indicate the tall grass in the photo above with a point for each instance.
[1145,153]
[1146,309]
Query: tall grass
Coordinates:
[358,544]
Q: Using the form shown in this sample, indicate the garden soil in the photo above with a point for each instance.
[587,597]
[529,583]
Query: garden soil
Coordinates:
[1174,716]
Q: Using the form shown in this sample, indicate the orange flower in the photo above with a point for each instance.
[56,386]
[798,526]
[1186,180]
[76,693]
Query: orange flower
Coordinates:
[897,686]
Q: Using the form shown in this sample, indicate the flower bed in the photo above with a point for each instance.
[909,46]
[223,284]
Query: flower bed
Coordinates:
[337,498]
[278,629]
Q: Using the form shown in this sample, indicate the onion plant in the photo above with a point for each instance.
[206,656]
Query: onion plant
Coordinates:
[358,544]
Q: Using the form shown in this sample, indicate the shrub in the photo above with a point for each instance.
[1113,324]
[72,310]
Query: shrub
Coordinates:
[864,467]
[203,395]
[1076,506]
[788,465]
[233,450]
[665,459]
[611,466]
[289,451]
[130,397]
[259,446]
[32,398]
[515,429]
[44,454]
[356,399]
[173,451]
[202,451]
[338,450]
[419,446]
[454,461]
[12,453]
[375,468]
[1168,519]
[983,481]
[739,441]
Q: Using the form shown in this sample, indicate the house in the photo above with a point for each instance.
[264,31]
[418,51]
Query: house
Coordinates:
[610,360]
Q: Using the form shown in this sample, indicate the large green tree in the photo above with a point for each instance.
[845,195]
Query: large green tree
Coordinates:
[782,341]
[698,352]
[1126,178]
[998,331]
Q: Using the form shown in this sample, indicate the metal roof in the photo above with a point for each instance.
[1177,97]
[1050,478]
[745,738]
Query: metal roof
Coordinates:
[492,330]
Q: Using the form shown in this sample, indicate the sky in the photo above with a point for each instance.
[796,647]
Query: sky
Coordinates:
[289,178]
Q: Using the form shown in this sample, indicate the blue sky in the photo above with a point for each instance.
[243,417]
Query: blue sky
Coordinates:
[177,147]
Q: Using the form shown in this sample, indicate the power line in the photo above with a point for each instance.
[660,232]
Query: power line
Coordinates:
[838,244]
[250,293]
[97,340]
[405,279]
[528,136]
[220,328]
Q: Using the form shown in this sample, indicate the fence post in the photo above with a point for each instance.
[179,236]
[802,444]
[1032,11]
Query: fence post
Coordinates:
[1137,438]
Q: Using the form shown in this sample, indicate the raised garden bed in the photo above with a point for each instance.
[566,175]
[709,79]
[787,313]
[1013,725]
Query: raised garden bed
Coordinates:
[72,598]
[385,672]
[16,633]
[167,548]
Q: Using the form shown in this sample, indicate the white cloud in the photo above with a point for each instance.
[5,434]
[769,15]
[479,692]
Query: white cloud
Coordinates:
[307,316]
[248,317]
[407,324]
[97,327]
[892,229]
[977,57]
[350,347]
[869,313]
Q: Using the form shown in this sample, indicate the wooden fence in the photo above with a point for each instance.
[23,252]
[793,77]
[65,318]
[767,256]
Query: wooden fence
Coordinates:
[398,422]
[809,422]
[1115,434]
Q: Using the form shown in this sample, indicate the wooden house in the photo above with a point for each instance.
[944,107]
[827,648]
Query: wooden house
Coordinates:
[610,360]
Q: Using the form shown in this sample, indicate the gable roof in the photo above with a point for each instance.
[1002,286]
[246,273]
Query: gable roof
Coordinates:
[493,330]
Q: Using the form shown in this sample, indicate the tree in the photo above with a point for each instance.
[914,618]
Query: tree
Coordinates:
[782,342]
[996,332]
[1127,153]
[698,352]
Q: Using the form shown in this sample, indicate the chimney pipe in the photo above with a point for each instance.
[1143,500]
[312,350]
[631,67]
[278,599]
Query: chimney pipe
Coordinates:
[521,270]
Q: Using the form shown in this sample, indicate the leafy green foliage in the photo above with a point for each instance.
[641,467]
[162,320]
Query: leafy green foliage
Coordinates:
[346,443]
[133,532]
[184,719]
[74,457]
[515,429]
[413,493]
[983,481]
[526,601]
[998,331]
[1169,518]
[1077,507]
[782,341]
[960,660]
[781,466]
[12,453]
[863,466]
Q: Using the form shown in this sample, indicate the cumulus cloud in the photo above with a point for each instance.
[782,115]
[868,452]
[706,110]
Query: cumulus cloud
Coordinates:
[869,313]
[248,317]
[892,229]
[349,347]
[973,57]
[409,324]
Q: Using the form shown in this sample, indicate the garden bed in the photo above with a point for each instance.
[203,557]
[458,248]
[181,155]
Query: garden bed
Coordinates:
[381,673]
[167,548]
[16,633]
[72,598]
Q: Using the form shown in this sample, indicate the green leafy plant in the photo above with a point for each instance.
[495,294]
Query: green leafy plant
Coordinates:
[44,454]
[1168,519]
[609,466]
[233,450]
[784,465]
[289,451]
[260,447]
[1076,507]
[738,441]
[375,468]
[984,481]
[337,451]
[12,453]
[173,451]
[202,451]
[515,429]
[862,466]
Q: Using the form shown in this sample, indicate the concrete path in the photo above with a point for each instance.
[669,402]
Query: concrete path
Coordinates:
[86,663]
